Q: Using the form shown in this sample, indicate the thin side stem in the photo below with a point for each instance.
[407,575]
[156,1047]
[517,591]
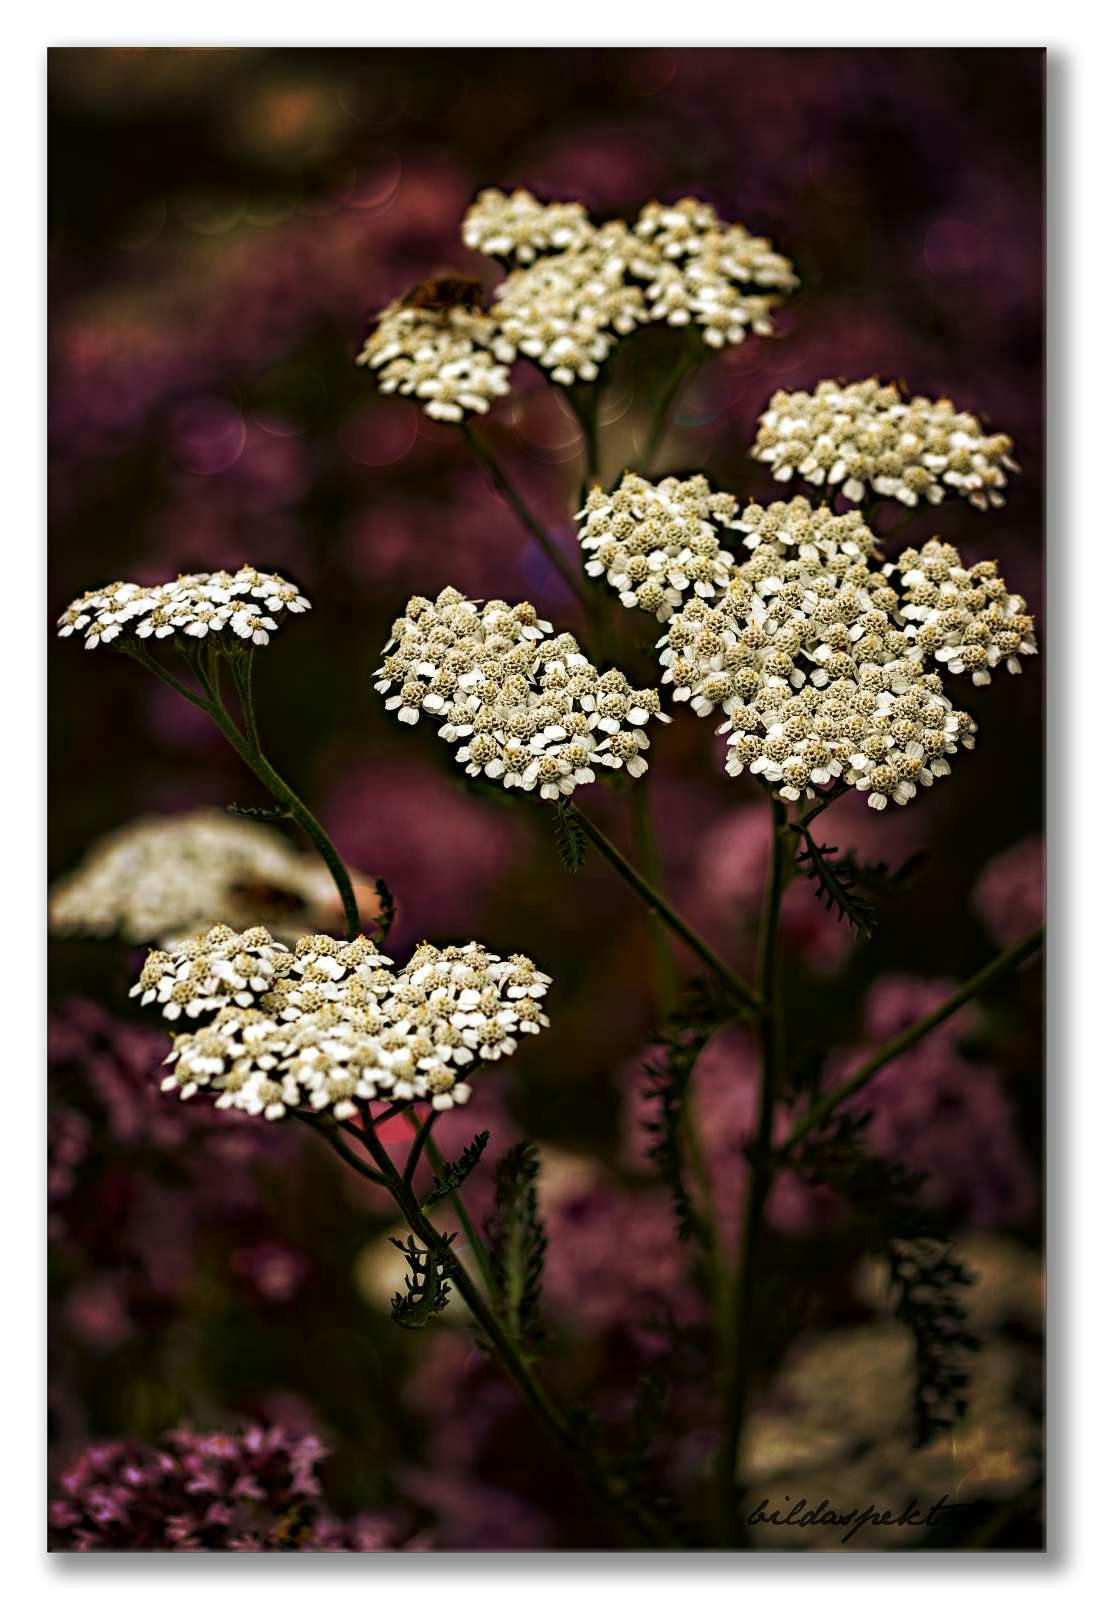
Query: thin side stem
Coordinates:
[329,1132]
[420,1140]
[645,842]
[463,1217]
[685,364]
[740,990]
[166,676]
[584,403]
[250,752]
[769,1033]
[505,486]
[246,746]
[823,1109]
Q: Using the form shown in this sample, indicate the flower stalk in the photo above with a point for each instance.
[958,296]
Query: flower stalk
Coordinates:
[245,742]
[742,992]
[1003,963]
[769,1028]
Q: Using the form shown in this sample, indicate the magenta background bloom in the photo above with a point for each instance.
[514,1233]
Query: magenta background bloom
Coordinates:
[1010,894]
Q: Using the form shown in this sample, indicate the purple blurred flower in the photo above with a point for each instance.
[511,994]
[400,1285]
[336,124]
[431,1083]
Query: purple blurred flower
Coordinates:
[96,1312]
[253,1489]
[469,1409]
[440,849]
[273,1269]
[937,1113]
[1009,897]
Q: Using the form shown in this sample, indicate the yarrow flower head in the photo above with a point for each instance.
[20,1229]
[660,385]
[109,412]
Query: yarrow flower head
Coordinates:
[524,706]
[160,876]
[869,436]
[218,607]
[215,967]
[329,1025]
[697,268]
[822,658]
[656,544]
[456,359]
[519,226]
[573,289]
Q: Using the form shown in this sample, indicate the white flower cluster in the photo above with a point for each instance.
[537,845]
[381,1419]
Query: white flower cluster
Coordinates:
[455,359]
[573,289]
[520,226]
[699,269]
[868,436]
[567,311]
[214,968]
[218,606]
[329,1024]
[525,707]
[657,543]
[160,876]
[821,657]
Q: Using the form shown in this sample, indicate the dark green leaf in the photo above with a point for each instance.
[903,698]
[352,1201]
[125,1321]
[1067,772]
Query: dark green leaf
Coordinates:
[668,1073]
[518,1245]
[427,1285]
[258,813]
[387,910]
[570,838]
[924,1272]
[456,1171]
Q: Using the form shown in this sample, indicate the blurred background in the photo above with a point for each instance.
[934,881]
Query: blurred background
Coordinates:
[224,224]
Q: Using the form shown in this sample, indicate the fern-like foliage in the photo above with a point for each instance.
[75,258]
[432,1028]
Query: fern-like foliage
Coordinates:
[257,813]
[847,886]
[570,840]
[518,1245]
[427,1284]
[924,1272]
[455,1172]
[387,910]
[676,1050]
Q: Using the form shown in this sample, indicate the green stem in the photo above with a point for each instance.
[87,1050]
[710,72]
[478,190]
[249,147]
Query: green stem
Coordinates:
[165,675]
[683,930]
[584,403]
[463,1216]
[249,751]
[329,1132]
[649,860]
[508,489]
[823,1109]
[246,746]
[508,1352]
[769,1032]
[685,363]
[420,1139]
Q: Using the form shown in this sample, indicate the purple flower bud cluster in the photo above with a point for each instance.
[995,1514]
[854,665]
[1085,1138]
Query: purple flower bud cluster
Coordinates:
[251,1489]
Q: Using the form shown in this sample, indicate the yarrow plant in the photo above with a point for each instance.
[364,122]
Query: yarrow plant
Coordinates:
[829,661]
